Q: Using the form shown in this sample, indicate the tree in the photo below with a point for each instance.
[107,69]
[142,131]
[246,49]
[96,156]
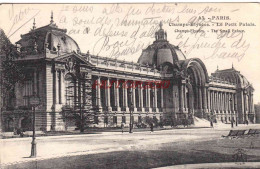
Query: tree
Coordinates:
[10,71]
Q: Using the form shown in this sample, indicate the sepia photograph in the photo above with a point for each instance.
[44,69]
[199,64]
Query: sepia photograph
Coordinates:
[130,85]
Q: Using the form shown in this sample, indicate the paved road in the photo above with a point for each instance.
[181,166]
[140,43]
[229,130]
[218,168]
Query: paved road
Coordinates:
[17,150]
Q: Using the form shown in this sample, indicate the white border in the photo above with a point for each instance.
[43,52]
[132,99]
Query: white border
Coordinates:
[119,1]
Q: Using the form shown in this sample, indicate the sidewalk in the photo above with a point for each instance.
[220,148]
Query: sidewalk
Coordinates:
[218,126]
[8,135]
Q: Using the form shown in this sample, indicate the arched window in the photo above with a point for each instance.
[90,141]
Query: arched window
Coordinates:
[9,125]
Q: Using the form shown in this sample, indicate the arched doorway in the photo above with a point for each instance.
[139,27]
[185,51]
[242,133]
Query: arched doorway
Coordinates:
[9,124]
[26,123]
[194,91]
[197,78]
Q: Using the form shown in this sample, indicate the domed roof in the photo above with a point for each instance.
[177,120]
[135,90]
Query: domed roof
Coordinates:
[233,76]
[49,36]
[161,51]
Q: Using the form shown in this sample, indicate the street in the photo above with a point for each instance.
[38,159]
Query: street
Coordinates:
[182,141]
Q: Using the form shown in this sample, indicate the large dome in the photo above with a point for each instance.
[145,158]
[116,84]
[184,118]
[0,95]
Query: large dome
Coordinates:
[161,51]
[47,36]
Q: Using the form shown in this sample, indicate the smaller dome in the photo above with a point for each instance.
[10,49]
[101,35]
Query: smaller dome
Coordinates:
[49,36]
[66,43]
[233,76]
[161,51]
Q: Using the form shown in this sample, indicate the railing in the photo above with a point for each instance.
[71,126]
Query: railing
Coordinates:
[123,65]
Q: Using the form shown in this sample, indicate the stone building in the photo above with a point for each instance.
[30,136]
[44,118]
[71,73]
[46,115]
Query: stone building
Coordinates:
[163,85]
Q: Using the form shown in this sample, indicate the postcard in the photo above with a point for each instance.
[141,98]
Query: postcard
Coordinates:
[130,85]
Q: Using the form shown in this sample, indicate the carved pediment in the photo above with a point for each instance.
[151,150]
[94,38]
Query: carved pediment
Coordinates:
[72,59]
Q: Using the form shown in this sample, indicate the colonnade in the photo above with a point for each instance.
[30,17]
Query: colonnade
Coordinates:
[113,94]
[222,102]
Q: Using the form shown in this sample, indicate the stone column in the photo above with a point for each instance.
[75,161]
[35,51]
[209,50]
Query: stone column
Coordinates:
[226,103]
[57,87]
[63,93]
[245,107]
[98,95]
[204,97]
[107,94]
[211,101]
[181,98]
[184,98]
[148,103]
[225,106]
[249,103]
[209,95]
[217,101]
[214,101]
[141,98]
[162,103]
[133,96]
[155,99]
[240,106]
[200,101]
[116,93]
[229,102]
[54,88]
[125,96]
[233,102]
[221,101]
[200,98]
[221,98]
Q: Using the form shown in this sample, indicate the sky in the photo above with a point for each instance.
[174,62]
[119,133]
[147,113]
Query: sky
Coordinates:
[221,34]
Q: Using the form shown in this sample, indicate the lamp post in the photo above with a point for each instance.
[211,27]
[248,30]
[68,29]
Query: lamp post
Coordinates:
[34,101]
[131,123]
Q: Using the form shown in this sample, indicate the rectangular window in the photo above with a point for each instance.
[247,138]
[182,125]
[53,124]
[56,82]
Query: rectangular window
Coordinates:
[155,120]
[132,118]
[161,118]
[106,120]
[115,119]
[139,119]
[123,119]
[28,87]
[96,119]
